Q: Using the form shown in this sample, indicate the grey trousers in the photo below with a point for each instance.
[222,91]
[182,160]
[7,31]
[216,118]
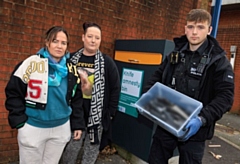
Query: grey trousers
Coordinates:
[72,149]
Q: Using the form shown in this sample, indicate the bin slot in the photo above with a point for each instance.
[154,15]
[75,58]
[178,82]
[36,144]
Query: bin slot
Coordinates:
[138,57]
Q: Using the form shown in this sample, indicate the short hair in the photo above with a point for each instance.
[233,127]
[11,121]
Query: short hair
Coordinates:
[199,15]
[86,25]
[52,33]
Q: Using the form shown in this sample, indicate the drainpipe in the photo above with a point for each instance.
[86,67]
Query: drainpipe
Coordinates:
[215,17]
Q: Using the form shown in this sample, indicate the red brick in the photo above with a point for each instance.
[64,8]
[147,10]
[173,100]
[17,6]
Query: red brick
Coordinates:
[9,55]
[39,19]
[2,102]
[27,21]
[34,50]
[50,8]
[39,5]
[30,10]
[18,14]
[29,17]
[8,5]
[5,11]
[9,147]
[3,108]
[13,62]
[4,115]
[5,68]
[25,50]
[227,35]
[6,134]
[3,83]
[36,31]
[39,12]
[9,156]
[9,140]
[19,7]
[27,36]
[5,18]
[57,10]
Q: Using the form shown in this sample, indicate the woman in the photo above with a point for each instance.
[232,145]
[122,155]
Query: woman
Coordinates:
[103,83]
[41,95]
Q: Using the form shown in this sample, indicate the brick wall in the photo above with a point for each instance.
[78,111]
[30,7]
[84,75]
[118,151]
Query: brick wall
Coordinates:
[24,22]
[228,34]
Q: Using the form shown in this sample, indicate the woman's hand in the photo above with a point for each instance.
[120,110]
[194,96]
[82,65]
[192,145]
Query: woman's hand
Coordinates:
[86,86]
[77,134]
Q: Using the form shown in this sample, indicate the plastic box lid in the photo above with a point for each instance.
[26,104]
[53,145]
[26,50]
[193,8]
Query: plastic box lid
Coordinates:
[168,108]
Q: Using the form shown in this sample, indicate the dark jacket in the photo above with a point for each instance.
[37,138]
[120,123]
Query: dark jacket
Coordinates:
[111,98]
[16,91]
[111,92]
[216,85]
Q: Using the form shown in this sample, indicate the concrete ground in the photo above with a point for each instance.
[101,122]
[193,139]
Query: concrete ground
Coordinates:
[225,143]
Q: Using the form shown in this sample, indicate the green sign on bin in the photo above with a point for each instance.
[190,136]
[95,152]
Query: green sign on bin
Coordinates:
[131,85]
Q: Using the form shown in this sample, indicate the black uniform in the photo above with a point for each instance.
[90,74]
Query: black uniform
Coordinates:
[206,75]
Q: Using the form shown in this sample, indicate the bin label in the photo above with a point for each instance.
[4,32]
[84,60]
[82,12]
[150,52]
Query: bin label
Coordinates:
[131,85]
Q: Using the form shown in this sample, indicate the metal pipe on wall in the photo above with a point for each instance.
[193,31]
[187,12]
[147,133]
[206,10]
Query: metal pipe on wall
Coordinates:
[215,17]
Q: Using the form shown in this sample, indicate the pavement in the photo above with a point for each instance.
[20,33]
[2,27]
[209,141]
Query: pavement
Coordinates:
[223,148]
[225,144]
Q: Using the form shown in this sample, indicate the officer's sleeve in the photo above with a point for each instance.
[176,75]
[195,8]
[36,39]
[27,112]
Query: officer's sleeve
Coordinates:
[223,88]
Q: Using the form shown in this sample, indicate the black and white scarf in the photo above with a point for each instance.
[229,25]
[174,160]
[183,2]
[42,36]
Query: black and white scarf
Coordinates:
[95,113]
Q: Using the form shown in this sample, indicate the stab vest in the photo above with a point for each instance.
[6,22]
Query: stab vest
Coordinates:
[188,71]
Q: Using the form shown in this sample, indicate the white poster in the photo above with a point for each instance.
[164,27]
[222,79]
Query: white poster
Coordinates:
[131,82]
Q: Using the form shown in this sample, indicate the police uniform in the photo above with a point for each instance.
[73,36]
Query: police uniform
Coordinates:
[206,75]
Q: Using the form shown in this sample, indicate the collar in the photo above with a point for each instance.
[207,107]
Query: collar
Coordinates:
[200,50]
[203,47]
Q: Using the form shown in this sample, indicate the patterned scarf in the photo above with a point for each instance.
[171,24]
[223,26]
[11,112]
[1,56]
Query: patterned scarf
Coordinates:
[95,113]
[59,69]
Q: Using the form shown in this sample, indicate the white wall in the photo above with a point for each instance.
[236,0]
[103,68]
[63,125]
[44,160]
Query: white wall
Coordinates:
[226,2]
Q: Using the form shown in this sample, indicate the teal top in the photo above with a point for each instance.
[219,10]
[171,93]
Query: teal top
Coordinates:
[57,111]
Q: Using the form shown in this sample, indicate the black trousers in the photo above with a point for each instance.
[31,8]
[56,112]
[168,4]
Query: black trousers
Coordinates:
[164,144]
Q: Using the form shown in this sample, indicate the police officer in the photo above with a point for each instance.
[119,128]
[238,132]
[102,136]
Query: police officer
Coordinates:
[197,67]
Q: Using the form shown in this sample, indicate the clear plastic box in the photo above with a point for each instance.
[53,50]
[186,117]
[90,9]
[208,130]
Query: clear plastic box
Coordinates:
[168,108]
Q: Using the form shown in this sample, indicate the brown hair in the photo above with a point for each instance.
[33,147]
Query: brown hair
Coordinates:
[86,25]
[52,33]
[199,15]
